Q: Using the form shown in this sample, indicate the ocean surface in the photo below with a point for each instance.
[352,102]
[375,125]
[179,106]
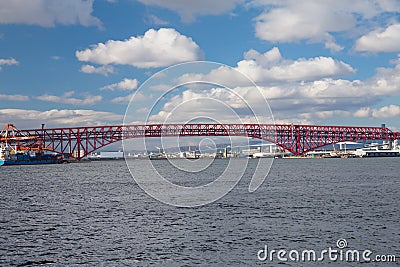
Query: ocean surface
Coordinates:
[95,214]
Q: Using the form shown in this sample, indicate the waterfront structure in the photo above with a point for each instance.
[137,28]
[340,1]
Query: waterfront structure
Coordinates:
[13,152]
[297,139]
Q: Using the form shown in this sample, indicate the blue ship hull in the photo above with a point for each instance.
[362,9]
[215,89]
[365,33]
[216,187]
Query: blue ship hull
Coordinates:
[28,162]
[26,159]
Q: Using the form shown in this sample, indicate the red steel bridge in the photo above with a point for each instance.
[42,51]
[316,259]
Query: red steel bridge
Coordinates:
[79,142]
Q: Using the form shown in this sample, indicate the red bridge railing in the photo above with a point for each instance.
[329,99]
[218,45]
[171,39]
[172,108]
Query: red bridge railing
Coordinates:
[79,142]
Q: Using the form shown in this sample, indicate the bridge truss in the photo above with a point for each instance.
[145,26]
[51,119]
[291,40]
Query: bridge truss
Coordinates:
[79,142]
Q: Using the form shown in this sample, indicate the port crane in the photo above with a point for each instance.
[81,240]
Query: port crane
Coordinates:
[15,140]
[19,148]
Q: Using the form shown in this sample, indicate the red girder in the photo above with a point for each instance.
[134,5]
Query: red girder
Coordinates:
[80,141]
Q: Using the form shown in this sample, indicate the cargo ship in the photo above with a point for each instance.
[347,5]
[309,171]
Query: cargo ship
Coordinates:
[11,157]
[14,152]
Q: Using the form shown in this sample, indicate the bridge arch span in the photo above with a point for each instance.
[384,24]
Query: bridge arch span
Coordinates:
[298,139]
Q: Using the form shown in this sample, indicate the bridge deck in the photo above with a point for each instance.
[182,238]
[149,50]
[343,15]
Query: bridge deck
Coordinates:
[298,139]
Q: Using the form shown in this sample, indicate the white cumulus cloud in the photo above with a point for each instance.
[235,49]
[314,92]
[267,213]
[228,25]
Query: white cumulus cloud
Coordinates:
[156,48]
[8,62]
[217,103]
[386,112]
[389,111]
[48,13]
[103,70]
[381,40]
[14,97]
[125,84]
[67,98]
[271,67]
[300,69]
[315,20]
[134,97]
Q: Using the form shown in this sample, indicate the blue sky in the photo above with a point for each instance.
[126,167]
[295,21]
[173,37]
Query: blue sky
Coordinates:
[73,63]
